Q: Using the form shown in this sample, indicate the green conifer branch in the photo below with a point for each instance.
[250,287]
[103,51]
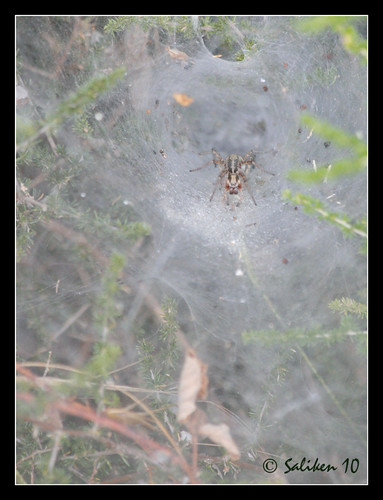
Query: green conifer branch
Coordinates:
[312,205]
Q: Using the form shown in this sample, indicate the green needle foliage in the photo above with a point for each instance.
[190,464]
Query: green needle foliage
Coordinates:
[236,38]
[52,206]
[351,313]
[53,226]
[344,26]
[348,306]
[343,167]
[158,355]
[313,206]
[168,24]
[86,94]
[346,166]
[308,337]
[75,104]
[106,308]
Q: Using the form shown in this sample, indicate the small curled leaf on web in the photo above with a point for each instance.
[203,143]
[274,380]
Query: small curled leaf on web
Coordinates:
[182,99]
[192,387]
[177,54]
[220,434]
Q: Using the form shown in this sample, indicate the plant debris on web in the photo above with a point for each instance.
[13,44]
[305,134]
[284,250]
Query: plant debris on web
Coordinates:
[193,386]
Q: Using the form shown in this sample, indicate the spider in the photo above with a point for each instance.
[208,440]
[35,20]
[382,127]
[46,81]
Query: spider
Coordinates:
[231,170]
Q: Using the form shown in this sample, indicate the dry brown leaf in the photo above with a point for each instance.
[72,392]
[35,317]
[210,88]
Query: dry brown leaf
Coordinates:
[177,54]
[183,99]
[220,434]
[192,386]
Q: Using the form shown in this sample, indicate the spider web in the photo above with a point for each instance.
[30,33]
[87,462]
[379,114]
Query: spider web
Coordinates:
[232,269]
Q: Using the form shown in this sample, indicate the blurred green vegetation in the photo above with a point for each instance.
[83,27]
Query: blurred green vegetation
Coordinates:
[234,35]
[52,226]
[352,40]
[347,166]
[351,164]
[86,242]
[351,313]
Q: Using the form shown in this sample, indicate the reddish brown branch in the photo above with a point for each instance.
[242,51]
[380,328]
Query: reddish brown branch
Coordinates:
[154,450]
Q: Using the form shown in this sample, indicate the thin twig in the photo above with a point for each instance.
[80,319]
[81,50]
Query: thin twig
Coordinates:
[47,365]
[160,426]
[72,319]
[55,450]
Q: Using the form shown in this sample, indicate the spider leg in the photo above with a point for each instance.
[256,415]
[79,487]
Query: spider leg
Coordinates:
[247,163]
[216,184]
[203,166]
[243,177]
[217,160]
[252,162]
[218,157]
[248,154]
[253,151]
